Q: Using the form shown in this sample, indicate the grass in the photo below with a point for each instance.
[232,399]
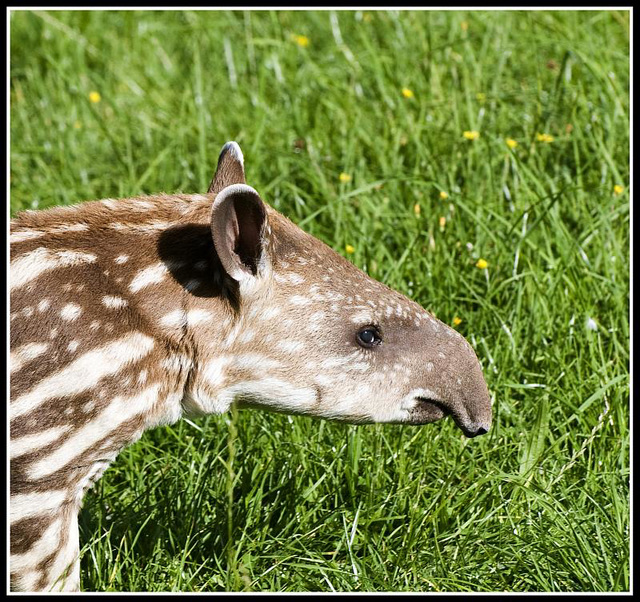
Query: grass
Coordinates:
[253,501]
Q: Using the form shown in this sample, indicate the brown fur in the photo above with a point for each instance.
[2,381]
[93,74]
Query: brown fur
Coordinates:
[131,313]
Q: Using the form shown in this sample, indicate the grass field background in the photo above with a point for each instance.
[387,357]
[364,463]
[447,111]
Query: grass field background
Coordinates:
[353,125]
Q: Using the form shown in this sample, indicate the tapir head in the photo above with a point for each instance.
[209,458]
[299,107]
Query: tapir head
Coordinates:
[322,338]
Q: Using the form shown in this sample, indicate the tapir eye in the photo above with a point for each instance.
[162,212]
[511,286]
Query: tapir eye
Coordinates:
[369,337]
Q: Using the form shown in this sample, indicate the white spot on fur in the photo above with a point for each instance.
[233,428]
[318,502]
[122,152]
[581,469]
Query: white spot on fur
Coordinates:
[335,362]
[360,366]
[94,325]
[324,380]
[291,346]
[214,370]
[148,227]
[317,316]
[254,362]
[198,316]
[120,259]
[174,319]
[72,346]
[176,363]
[70,312]
[30,266]
[299,300]
[114,302]
[429,366]
[25,354]
[142,377]
[199,197]
[247,336]
[362,317]
[148,276]
[270,313]
[27,312]
[23,235]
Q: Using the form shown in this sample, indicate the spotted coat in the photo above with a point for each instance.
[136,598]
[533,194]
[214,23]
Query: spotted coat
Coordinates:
[128,314]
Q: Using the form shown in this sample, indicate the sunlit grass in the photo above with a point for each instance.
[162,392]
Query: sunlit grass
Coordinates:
[367,128]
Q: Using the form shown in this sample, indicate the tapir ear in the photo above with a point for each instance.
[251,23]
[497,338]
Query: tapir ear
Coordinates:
[238,227]
[230,168]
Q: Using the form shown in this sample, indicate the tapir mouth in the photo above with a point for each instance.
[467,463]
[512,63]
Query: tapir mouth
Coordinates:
[431,410]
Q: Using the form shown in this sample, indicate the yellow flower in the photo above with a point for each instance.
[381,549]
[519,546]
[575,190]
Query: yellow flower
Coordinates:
[481,97]
[442,221]
[457,321]
[511,143]
[407,93]
[349,249]
[544,138]
[344,177]
[416,209]
[617,189]
[302,41]
[443,195]
[366,17]
[464,25]
[77,125]
[482,264]
[471,134]
[94,97]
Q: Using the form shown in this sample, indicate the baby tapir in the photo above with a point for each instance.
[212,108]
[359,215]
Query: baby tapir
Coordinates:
[127,314]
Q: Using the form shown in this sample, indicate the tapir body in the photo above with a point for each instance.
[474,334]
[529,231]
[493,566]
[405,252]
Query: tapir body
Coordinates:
[127,314]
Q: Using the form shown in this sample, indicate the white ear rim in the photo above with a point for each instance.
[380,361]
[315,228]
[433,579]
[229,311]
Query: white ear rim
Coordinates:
[233,149]
[235,189]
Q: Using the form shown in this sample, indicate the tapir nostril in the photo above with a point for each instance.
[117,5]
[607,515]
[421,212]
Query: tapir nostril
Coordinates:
[481,430]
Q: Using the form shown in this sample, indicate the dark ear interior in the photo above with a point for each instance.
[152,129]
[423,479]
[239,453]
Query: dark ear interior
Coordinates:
[248,220]
[237,220]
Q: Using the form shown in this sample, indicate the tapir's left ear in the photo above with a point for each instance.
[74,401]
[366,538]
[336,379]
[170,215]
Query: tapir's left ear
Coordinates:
[239,229]
[230,168]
